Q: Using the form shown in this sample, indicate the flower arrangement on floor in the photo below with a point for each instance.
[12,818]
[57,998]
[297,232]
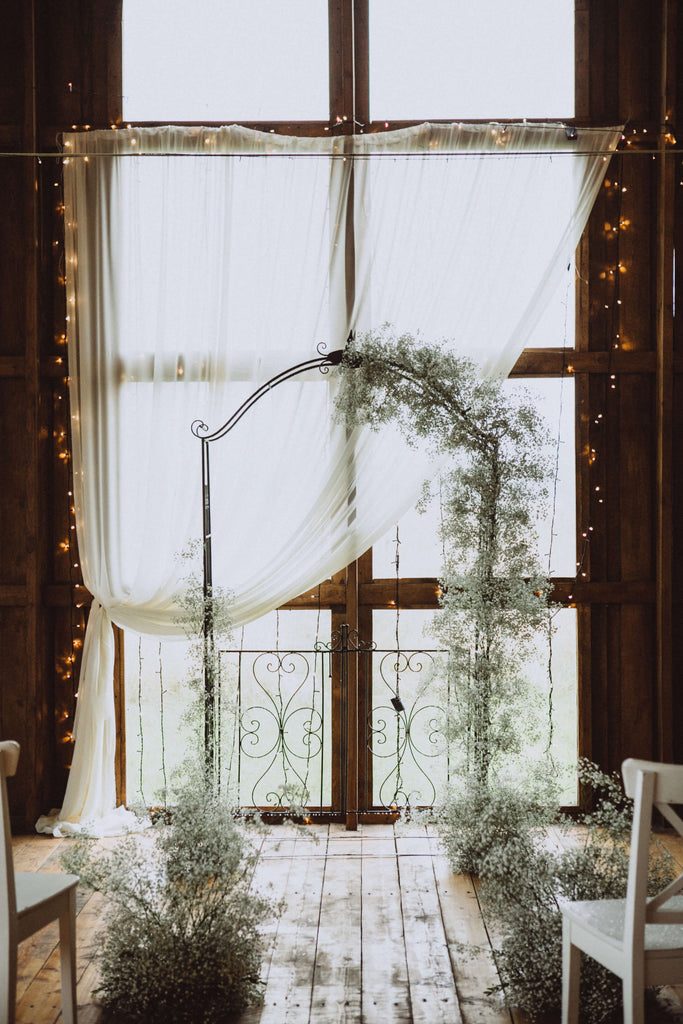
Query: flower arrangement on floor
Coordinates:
[182,942]
[524,876]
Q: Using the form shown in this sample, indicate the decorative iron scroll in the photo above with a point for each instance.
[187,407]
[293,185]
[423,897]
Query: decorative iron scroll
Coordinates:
[405,734]
[284,735]
[282,725]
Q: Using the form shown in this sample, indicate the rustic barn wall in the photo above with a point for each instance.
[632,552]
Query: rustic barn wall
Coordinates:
[60,66]
[628,456]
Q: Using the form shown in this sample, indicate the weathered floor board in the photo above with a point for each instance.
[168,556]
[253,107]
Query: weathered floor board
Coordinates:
[371,933]
[385,985]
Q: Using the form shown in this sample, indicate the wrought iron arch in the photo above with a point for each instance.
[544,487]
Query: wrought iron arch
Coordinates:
[323,361]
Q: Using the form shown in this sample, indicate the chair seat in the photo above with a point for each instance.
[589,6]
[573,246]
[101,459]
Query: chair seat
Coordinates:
[41,898]
[34,888]
[605,918]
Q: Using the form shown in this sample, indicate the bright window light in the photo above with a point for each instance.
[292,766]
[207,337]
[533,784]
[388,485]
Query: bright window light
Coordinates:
[225,60]
[420,551]
[554,398]
[457,59]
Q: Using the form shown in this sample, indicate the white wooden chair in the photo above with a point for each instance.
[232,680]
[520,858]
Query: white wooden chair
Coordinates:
[639,939]
[29,901]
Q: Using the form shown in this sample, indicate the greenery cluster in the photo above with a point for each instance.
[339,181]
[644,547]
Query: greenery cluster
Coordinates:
[182,942]
[204,615]
[476,819]
[495,593]
[504,839]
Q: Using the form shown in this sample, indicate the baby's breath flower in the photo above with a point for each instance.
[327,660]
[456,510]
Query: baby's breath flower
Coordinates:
[181,943]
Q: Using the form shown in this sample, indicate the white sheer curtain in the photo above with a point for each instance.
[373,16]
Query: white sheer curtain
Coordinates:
[202,261]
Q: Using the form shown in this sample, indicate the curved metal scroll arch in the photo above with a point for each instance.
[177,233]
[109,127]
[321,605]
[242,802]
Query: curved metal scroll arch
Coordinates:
[200,430]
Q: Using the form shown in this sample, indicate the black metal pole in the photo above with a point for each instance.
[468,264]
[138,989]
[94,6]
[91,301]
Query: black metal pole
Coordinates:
[208,623]
[322,362]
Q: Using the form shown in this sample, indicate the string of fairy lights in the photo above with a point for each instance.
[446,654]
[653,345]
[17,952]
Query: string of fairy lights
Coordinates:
[618,223]
[67,653]
[611,274]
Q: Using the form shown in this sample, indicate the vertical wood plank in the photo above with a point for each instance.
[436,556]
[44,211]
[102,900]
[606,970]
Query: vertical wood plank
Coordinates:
[120,713]
[664,327]
[340,13]
[385,993]
[337,974]
[433,995]
[339,617]
[290,974]
[361,55]
[352,708]
[364,626]
[581,58]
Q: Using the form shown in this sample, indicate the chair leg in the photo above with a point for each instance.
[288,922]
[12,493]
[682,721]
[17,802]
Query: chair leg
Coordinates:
[67,960]
[634,1000]
[571,977]
[8,988]
[8,984]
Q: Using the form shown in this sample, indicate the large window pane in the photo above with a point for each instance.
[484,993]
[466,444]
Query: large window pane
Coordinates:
[552,672]
[158,737]
[224,60]
[411,761]
[554,398]
[417,542]
[280,737]
[409,755]
[275,712]
[457,59]
[556,327]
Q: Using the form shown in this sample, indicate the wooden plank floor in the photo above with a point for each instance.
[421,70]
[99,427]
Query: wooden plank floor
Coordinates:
[370,933]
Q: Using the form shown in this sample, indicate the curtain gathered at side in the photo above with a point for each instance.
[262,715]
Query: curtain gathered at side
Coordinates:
[202,261]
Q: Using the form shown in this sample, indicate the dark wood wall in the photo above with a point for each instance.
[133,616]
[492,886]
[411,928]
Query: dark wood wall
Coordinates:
[60,67]
[628,452]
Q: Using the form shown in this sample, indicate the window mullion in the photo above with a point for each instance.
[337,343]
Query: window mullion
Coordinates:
[349,64]
[341,60]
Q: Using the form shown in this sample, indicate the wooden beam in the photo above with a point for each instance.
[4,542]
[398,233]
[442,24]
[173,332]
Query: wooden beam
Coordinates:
[341,60]
[581,58]
[327,595]
[13,596]
[36,758]
[557,362]
[354,725]
[12,366]
[426,593]
[664,251]
[361,64]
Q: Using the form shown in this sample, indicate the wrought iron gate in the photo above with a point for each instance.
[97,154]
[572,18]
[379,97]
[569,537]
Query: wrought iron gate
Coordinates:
[337,728]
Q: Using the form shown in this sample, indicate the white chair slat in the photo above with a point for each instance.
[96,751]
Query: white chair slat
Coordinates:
[636,938]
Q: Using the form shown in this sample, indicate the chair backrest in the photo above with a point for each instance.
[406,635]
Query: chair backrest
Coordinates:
[9,758]
[650,784]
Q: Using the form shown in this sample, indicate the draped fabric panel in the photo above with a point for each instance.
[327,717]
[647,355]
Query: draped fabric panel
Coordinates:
[200,262]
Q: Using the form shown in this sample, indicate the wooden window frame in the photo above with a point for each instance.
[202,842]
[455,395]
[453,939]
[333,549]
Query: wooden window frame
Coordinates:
[353,594]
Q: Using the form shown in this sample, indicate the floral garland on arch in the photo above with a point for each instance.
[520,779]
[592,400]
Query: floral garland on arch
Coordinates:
[495,593]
